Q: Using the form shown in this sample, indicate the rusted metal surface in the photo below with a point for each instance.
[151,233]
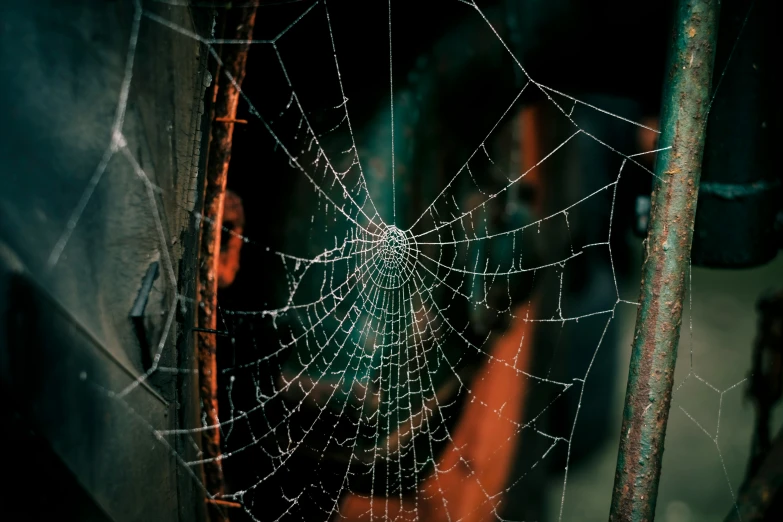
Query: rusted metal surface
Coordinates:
[239,25]
[667,252]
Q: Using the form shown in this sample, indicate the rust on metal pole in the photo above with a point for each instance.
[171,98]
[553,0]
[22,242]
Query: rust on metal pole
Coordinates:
[667,252]
[238,25]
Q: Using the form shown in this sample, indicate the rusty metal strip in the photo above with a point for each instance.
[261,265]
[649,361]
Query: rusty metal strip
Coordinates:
[239,25]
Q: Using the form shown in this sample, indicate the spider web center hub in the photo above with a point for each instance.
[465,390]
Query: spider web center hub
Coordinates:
[395,258]
[394,247]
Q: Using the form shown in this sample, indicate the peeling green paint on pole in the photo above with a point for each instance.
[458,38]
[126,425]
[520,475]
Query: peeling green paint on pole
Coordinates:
[667,252]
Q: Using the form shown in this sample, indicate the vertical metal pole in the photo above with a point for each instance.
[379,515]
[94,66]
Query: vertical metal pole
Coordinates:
[667,252]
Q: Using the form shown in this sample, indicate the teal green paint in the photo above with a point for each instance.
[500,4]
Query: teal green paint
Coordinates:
[667,252]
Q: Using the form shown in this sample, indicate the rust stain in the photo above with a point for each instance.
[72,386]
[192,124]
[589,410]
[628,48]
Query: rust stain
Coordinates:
[226,99]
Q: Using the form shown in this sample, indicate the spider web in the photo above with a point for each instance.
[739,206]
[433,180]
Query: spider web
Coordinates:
[386,309]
